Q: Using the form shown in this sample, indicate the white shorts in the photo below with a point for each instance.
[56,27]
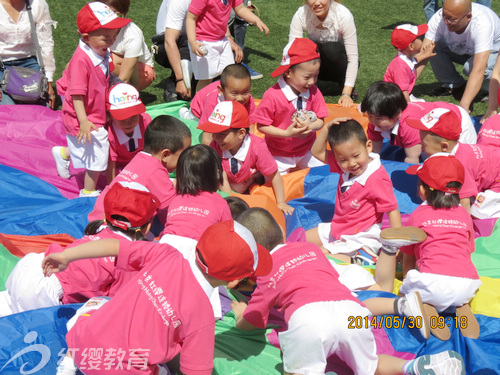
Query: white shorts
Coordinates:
[486,205]
[320,329]
[92,156]
[440,291]
[350,244]
[354,277]
[29,289]
[286,163]
[211,65]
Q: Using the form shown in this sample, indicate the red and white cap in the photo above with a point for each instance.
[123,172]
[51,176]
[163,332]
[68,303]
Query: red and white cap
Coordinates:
[439,170]
[97,15]
[228,251]
[131,200]
[297,51]
[123,101]
[226,115]
[439,121]
[403,35]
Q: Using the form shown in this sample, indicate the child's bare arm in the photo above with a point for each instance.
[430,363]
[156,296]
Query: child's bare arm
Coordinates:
[293,130]
[311,125]
[85,125]
[407,96]
[246,14]
[394,218]
[226,188]
[191,34]
[465,203]
[279,193]
[319,150]
[241,323]
[413,154]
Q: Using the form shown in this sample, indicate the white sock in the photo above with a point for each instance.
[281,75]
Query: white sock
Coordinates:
[67,367]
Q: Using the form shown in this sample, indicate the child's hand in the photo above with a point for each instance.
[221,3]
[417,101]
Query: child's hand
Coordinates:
[238,307]
[287,210]
[427,52]
[54,263]
[262,27]
[336,121]
[298,130]
[84,133]
[197,48]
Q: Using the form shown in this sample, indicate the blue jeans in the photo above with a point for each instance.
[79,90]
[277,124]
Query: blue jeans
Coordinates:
[28,62]
[432,6]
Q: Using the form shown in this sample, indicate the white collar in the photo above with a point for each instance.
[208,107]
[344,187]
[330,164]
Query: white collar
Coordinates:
[242,152]
[373,165]
[276,248]
[290,95]
[94,57]
[386,134]
[410,62]
[124,138]
[455,149]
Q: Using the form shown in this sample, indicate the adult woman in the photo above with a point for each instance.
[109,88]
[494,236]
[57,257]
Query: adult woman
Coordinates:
[131,57]
[331,26]
[16,44]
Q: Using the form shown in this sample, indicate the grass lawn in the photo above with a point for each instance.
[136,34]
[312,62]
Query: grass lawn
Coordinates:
[375,20]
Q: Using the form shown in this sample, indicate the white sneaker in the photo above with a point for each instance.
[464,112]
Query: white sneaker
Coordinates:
[62,164]
[394,238]
[411,306]
[448,362]
[186,114]
[94,193]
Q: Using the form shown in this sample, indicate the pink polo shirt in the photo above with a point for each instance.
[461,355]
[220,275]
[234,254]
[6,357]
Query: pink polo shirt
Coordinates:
[148,171]
[298,269]
[253,157]
[489,135]
[213,17]
[364,203]
[276,109]
[208,97]
[164,311]
[449,244]
[189,215]
[119,152]
[401,71]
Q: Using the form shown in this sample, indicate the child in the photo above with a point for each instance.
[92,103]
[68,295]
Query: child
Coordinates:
[446,276]
[440,132]
[364,192]
[84,109]
[164,140]
[164,310]
[236,205]
[197,204]
[410,61]
[129,209]
[489,134]
[303,285]
[126,126]
[245,156]
[206,29]
[288,137]
[388,112]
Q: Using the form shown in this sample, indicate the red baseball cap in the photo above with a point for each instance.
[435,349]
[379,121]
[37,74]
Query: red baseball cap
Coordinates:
[228,251]
[439,121]
[438,170]
[226,115]
[403,35]
[132,201]
[297,51]
[123,101]
[97,15]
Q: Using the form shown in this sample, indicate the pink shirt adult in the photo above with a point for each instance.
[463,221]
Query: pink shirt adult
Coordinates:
[148,171]
[163,312]
[401,73]
[365,201]
[449,244]
[489,135]
[276,109]
[119,153]
[298,269]
[213,17]
[208,97]
[189,215]
[257,159]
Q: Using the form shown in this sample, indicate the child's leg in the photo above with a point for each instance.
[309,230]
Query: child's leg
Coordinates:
[90,180]
[312,236]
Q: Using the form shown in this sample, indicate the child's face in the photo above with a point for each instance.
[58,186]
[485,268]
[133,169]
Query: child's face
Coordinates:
[126,125]
[430,143]
[352,156]
[237,90]
[416,46]
[230,140]
[169,160]
[384,123]
[100,40]
[302,77]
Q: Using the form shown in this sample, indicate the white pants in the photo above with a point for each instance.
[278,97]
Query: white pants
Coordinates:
[92,156]
[350,244]
[287,163]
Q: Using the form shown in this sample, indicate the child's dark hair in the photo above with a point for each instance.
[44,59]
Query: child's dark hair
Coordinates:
[236,205]
[199,168]
[345,131]
[384,99]
[439,199]
[165,132]
[262,225]
[313,61]
[136,235]
[121,6]
[236,71]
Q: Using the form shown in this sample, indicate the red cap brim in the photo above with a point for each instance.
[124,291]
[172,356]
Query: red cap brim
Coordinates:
[117,23]
[210,127]
[125,113]
[265,264]
[280,70]
[416,123]
[413,169]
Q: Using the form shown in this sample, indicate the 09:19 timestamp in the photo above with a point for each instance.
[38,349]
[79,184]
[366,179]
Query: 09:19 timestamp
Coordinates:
[440,322]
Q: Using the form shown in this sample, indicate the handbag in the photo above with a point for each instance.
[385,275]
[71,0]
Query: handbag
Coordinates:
[26,85]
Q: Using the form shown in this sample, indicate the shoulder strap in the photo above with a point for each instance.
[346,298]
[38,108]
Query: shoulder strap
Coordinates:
[35,37]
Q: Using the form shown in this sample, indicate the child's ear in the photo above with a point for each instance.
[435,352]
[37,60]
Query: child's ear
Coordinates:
[369,146]
[221,90]
[287,73]
[445,146]
[242,133]
[165,153]
[85,37]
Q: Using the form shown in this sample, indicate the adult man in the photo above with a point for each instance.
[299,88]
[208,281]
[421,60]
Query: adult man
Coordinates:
[467,34]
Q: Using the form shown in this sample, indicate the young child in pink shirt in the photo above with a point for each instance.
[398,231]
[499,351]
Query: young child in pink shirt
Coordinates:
[446,276]
[410,61]
[245,157]
[126,126]
[489,134]
[84,108]
[364,192]
[129,209]
[164,140]
[290,137]
[164,310]
[207,32]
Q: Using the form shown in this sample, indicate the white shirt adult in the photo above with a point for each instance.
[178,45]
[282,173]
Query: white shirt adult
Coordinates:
[130,43]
